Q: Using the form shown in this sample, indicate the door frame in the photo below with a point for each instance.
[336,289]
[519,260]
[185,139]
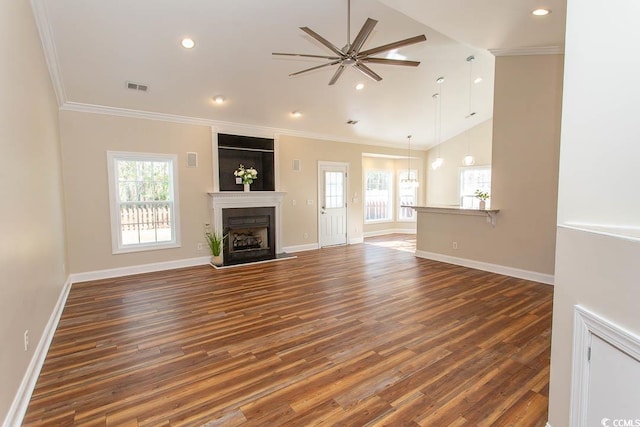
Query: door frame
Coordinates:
[321,164]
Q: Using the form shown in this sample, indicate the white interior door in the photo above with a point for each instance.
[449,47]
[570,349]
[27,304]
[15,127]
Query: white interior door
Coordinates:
[332,206]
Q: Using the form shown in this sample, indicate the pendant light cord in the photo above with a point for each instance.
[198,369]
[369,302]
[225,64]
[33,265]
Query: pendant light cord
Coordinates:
[409,160]
[470,60]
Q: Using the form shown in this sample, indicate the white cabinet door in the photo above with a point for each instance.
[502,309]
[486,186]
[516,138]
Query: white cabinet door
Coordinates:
[614,386]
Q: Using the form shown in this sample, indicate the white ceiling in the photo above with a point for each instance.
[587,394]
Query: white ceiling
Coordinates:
[95,46]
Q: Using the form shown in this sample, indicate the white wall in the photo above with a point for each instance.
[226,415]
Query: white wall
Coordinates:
[32,247]
[599,180]
[600,147]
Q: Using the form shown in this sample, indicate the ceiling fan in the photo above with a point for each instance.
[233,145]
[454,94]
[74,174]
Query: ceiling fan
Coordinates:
[351,55]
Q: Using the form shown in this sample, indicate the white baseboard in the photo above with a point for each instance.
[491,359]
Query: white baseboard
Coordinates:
[547,424]
[137,269]
[356,240]
[389,231]
[492,268]
[300,248]
[21,400]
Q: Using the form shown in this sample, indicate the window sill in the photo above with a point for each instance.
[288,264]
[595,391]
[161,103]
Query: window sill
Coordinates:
[144,248]
[378,221]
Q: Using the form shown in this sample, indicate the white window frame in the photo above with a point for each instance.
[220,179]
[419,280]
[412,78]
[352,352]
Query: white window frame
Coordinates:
[475,202]
[412,173]
[117,247]
[390,200]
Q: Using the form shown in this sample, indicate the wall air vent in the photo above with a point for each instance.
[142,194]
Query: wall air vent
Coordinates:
[352,122]
[137,86]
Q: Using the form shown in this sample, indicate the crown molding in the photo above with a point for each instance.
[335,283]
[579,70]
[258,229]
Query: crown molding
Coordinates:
[49,48]
[524,51]
[243,128]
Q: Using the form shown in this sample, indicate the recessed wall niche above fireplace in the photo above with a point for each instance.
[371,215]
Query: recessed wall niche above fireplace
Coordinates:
[250,151]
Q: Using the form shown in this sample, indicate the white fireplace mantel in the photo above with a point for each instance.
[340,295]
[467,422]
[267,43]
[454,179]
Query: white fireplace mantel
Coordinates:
[252,199]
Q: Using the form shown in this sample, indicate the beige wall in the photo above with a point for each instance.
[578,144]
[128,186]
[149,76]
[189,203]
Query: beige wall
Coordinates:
[526,136]
[86,138]
[444,183]
[395,165]
[32,247]
[303,185]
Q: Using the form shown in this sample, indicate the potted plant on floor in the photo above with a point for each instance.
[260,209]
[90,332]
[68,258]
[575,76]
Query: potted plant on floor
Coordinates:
[483,196]
[215,240]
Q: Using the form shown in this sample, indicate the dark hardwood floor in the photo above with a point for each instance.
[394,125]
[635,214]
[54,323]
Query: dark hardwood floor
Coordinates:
[356,335]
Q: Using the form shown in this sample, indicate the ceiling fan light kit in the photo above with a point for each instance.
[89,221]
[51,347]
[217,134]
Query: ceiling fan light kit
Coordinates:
[351,54]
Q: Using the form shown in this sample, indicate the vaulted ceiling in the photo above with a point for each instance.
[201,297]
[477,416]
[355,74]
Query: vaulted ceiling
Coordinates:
[95,46]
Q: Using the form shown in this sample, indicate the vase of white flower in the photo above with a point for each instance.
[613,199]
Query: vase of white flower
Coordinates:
[246,176]
[482,196]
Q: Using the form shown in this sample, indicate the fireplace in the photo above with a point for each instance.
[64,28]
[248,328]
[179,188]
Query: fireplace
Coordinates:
[250,234]
[245,205]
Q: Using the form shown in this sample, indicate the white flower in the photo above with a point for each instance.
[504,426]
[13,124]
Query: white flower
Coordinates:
[247,174]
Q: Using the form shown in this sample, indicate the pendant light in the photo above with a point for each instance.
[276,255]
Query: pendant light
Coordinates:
[437,123]
[468,159]
[409,180]
[438,161]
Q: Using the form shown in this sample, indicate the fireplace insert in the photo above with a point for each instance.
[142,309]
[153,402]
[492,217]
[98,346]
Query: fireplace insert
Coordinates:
[250,235]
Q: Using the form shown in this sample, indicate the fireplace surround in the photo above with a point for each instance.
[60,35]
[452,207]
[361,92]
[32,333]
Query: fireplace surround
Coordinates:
[252,202]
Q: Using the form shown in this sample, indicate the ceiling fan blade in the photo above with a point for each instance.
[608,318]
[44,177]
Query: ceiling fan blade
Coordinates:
[394,45]
[337,75]
[314,68]
[391,61]
[322,40]
[362,36]
[305,55]
[367,71]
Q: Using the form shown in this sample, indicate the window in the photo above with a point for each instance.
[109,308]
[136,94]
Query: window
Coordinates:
[407,195]
[472,179]
[144,201]
[378,196]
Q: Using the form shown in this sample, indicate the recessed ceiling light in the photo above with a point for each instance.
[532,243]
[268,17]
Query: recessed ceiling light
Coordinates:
[440,80]
[477,80]
[296,114]
[218,99]
[541,12]
[360,86]
[187,43]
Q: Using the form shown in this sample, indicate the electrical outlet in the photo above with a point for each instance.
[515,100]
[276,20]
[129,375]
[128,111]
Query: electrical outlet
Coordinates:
[305,236]
[455,245]
[26,340]
[200,246]
[294,202]
[309,202]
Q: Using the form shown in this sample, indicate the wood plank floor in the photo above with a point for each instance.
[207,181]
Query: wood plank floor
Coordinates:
[357,335]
